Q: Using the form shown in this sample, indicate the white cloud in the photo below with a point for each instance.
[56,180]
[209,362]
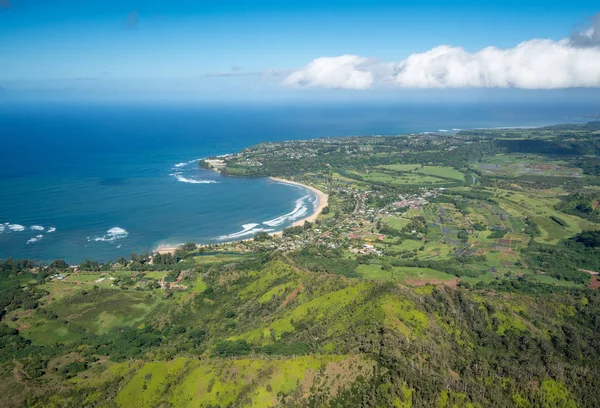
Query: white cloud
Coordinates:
[346,72]
[534,64]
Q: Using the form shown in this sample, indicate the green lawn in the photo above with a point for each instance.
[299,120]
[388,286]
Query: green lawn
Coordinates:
[436,171]
[401,274]
[397,222]
[123,308]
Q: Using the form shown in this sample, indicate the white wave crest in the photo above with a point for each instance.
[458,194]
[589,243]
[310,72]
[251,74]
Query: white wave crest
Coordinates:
[34,240]
[51,229]
[112,235]
[179,177]
[248,229]
[182,164]
[37,228]
[15,227]
[300,210]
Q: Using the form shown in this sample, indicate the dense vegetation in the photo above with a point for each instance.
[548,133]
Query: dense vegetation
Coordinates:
[446,272]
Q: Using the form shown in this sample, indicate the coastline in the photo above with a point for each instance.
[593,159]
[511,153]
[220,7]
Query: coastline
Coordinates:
[322,202]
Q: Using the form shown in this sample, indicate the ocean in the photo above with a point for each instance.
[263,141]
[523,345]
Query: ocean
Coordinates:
[97,181]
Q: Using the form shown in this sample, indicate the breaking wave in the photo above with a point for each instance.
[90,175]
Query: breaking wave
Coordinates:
[51,229]
[299,211]
[15,227]
[248,229]
[35,239]
[112,235]
[37,228]
[179,177]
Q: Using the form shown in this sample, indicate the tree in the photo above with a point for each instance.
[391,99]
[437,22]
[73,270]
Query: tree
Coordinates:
[59,264]
[88,265]
[189,246]
[262,236]
[290,231]
[181,253]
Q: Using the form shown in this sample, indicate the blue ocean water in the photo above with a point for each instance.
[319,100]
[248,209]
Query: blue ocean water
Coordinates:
[103,180]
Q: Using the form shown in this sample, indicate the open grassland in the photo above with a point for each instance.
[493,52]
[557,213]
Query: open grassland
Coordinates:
[120,308]
[216,257]
[406,275]
[522,165]
[85,278]
[249,381]
[437,171]
[399,178]
[397,222]
[539,206]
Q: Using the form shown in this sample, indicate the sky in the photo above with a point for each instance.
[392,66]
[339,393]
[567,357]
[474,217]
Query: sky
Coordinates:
[298,49]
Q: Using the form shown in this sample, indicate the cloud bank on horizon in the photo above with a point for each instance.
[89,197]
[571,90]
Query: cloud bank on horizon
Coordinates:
[535,64]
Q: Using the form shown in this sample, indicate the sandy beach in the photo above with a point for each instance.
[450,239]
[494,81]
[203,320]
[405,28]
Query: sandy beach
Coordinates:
[166,249]
[323,200]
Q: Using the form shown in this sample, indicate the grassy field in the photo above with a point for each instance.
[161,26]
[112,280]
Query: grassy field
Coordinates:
[85,278]
[516,165]
[539,206]
[260,383]
[406,275]
[400,178]
[215,258]
[436,171]
[120,308]
[397,222]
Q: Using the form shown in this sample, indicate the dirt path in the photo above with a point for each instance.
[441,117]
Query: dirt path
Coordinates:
[292,296]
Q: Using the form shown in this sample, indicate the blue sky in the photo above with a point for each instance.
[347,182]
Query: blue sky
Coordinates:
[199,48]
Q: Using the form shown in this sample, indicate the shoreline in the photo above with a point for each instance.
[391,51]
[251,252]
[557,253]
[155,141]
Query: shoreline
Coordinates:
[322,202]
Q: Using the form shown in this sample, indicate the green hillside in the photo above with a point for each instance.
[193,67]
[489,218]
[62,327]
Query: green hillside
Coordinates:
[462,279]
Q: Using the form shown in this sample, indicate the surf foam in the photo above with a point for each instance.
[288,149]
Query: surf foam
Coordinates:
[112,235]
[299,210]
[15,227]
[37,228]
[51,229]
[37,238]
[179,177]
[248,229]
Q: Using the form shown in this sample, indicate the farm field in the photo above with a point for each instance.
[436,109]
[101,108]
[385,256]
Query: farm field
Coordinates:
[406,275]
[399,179]
[521,165]
[440,171]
